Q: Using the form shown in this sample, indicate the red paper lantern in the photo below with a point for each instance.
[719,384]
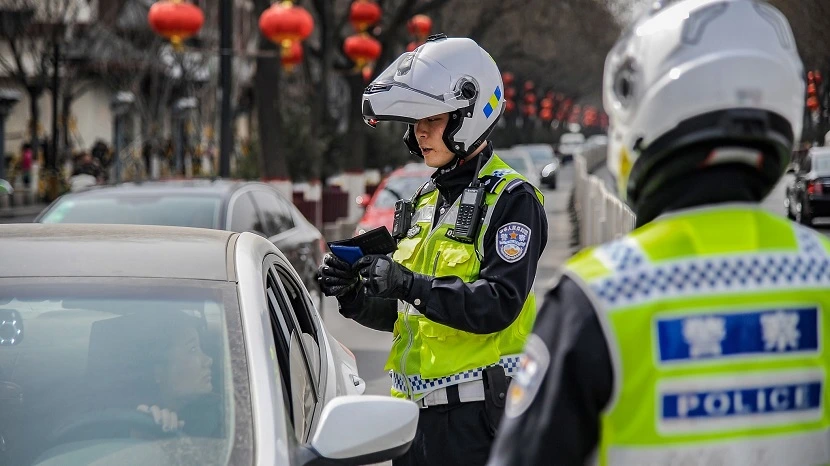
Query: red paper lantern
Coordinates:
[292,55]
[507,78]
[530,110]
[546,114]
[813,103]
[547,102]
[175,20]
[367,73]
[419,26]
[361,49]
[364,13]
[509,92]
[509,106]
[529,85]
[410,47]
[284,23]
[530,98]
[576,112]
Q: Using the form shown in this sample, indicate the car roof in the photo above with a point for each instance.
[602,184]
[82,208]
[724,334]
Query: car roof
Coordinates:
[217,186]
[413,169]
[74,250]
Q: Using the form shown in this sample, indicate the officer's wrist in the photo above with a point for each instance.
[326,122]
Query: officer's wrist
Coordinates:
[419,290]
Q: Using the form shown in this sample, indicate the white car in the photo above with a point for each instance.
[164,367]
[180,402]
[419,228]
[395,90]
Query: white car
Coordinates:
[162,345]
[569,145]
[521,161]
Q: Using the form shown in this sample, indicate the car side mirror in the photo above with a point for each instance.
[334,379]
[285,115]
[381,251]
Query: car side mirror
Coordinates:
[363,429]
[363,200]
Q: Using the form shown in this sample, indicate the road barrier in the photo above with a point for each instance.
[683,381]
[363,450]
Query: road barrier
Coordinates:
[601,216]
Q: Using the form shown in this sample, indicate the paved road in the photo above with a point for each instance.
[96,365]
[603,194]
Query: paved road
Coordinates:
[371,347]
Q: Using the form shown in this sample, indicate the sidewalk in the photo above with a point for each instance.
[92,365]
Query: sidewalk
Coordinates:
[559,246]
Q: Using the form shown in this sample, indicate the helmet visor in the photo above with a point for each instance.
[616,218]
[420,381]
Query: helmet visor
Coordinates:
[410,89]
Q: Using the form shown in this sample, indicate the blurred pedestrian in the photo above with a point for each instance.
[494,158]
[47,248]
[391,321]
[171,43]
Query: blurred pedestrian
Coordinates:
[27,156]
[700,337]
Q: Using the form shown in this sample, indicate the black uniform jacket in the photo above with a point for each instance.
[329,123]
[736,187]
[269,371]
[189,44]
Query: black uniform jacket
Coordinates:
[489,304]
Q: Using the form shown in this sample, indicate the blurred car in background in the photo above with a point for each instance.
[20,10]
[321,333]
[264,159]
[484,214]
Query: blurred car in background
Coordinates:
[808,196]
[521,161]
[545,161]
[569,145]
[100,322]
[219,204]
[400,184]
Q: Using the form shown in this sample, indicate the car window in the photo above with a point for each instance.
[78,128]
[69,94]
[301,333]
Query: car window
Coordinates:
[79,358]
[243,215]
[294,358]
[398,187]
[172,210]
[302,310]
[275,213]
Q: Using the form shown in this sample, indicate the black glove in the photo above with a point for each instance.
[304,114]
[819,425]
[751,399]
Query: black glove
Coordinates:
[384,278]
[336,277]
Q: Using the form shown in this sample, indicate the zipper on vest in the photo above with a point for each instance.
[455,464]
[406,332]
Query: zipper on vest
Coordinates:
[435,264]
[406,353]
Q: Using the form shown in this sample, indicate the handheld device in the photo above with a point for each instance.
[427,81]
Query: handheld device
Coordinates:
[403,219]
[469,214]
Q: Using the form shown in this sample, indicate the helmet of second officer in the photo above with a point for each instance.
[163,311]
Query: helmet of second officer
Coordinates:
[703,74]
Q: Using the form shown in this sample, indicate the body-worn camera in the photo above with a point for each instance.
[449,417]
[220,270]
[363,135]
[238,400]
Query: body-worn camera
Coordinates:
[403,219]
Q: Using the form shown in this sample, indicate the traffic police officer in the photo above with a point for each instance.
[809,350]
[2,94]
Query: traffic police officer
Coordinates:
[457,292]
[699,338]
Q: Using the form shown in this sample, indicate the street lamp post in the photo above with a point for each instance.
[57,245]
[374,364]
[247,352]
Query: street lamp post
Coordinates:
[180,111]
[226,77]
[120,105]
[8,99]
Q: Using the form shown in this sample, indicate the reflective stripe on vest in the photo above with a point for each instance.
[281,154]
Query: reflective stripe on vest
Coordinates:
[736,306]
[426,355]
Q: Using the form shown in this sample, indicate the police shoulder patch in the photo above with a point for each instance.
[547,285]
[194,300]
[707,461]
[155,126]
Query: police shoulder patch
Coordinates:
[512,241]
[532,369]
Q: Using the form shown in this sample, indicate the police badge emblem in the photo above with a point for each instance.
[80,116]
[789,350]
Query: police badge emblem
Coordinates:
[532,369]
[512,241]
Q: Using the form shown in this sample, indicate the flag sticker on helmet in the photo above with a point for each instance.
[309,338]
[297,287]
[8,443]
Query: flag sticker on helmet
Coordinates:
[512,241]
[493,103]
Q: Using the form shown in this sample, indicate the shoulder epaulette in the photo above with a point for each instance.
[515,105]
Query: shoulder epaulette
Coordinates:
[513,185]
[490,182]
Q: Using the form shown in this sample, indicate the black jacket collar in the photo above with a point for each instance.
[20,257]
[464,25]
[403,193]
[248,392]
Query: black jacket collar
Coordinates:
[451,179]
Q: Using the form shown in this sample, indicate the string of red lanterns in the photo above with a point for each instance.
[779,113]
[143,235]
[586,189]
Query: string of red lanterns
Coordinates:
[361,47]
[287,25]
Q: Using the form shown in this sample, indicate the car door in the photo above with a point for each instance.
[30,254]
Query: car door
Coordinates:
[298,352]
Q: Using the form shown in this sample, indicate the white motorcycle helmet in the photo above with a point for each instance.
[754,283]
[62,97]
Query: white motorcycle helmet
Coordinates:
[723,75]
[443,75]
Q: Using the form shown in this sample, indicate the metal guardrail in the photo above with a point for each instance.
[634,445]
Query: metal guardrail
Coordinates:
[601,215]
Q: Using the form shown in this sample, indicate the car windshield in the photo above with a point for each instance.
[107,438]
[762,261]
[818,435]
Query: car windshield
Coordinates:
[516,162]
[540,157]
[398,187]
[167,209]
[82,361]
